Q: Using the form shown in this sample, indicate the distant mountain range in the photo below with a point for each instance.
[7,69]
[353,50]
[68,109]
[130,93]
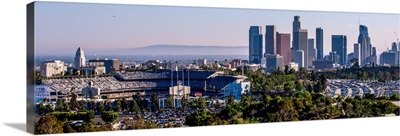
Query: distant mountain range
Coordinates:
[176,50]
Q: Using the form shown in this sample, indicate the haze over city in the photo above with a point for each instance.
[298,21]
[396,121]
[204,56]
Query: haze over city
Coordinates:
[63,27]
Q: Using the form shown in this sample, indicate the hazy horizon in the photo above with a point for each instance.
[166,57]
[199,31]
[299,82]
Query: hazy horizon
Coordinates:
[63,27]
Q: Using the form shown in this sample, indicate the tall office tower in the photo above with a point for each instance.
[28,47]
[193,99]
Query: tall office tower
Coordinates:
[350,56]
[273,62]
[394,46]
[334,57]
[394,49]
[339,45]
[255,44]
[283,47]
[80,59]
[320,43]
[303,45]
[388,58]
[365,41]
[296,28]
[299,58]
[270,39]
[373,51]
[356,54]
[311,52]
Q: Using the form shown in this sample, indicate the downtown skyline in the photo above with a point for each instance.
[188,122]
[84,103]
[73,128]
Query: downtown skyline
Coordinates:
[103,26]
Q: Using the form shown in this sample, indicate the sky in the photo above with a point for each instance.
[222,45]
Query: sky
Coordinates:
[63,27]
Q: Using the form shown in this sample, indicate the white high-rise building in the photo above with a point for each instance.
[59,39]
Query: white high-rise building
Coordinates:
[52,68]
[80,60]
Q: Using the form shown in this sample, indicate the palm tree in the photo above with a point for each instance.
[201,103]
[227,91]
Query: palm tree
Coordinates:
[70,92]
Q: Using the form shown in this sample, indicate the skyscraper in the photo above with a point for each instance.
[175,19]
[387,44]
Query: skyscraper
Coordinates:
[255,44]
[296,28]
[320,43]
[274,62]
[394,46]
[311,51]
[356,54]
[270,39]
[79,60]
[283,47]
[365,41]
[388,58]
[299,58]
[339,45]
[303,45]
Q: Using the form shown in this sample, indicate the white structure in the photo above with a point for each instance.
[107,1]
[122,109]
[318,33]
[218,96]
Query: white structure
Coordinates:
[80,60]
[52,68]
[294,65]
[201,62]
[90,90]
[237,88]
[299,58]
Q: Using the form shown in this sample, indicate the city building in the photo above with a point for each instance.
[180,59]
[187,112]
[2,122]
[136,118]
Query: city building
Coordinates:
[109,64]
[388,58]
[365,43]
[356,53]
[303,45]
[93,70]
[293,65]
[89,91]
[323,64]
[270,39]
[311,52]
[283,47]
[296,28]
[339,45]
[236,89]
[274,62]
[394,49]
[201,62]
[334,57]
[80,60]
[235,63]
[350,57]
[52,68]
[320,43]
[299,58]
[255,44]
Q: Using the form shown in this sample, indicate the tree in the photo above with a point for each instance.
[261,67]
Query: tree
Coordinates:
[134,106]
[201,102]
[217,104]
[286,69]
[231,100]
[185,103]
[124,105]
[155,102]
[198,118]
[170,101]
[100,107]
[313,77]
[395,97]
[59,105]
[48,124]
[109,116]
[139,100]
[117,107]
